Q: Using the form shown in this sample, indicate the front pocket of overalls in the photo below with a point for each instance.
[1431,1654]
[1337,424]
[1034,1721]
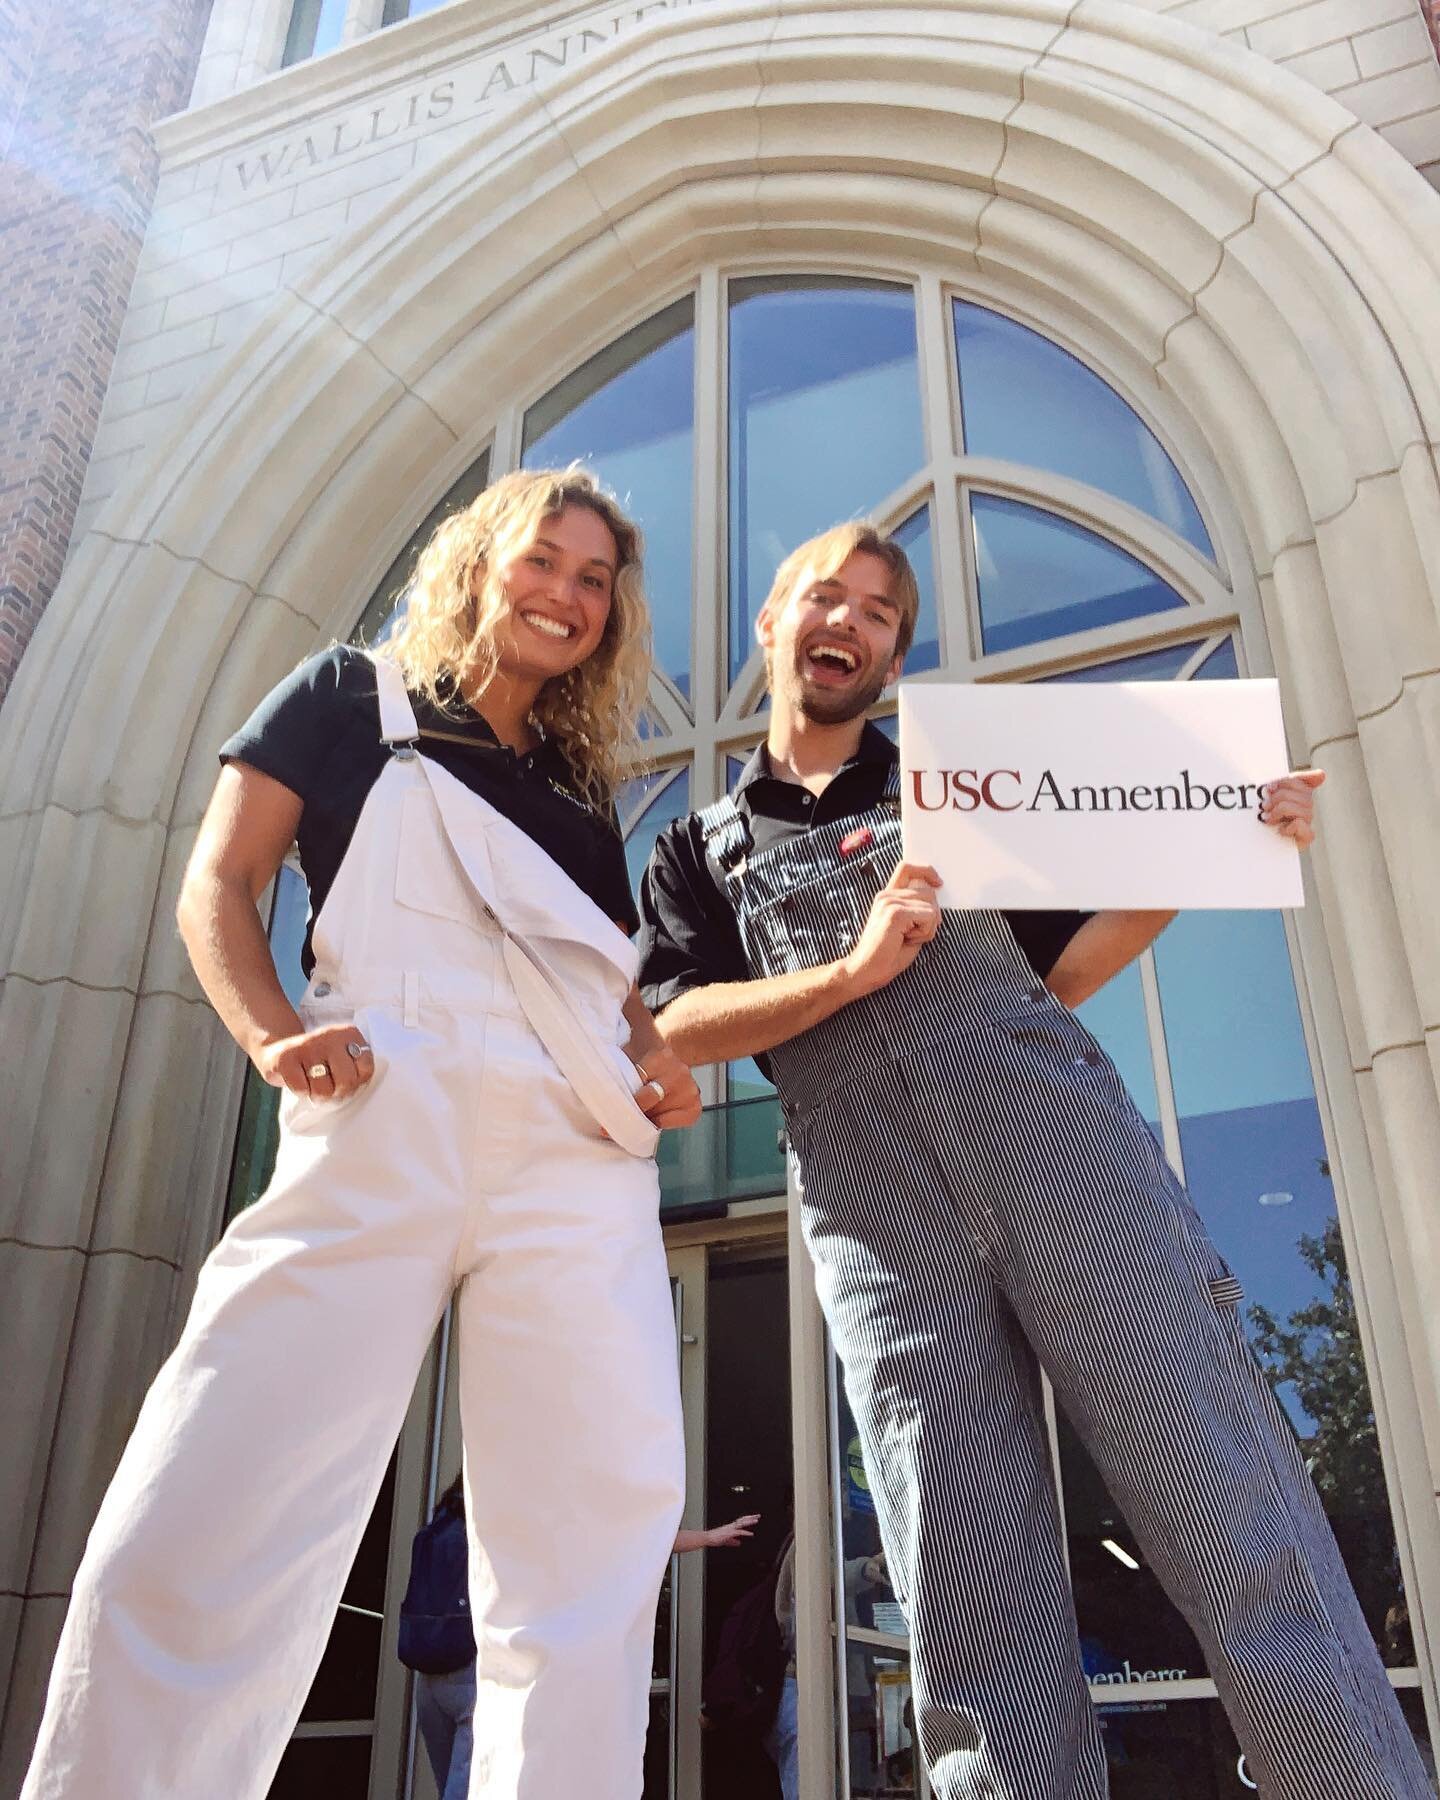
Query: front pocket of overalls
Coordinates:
[302,1114]
[815,923]
[428,876]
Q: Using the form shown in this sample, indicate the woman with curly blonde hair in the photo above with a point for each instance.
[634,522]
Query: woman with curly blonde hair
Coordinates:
[471,1091]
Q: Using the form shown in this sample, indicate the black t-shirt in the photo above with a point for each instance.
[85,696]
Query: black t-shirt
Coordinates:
[689,935]
[319,734]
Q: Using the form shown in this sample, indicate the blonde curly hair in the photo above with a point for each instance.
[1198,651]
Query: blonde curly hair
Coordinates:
[592,711]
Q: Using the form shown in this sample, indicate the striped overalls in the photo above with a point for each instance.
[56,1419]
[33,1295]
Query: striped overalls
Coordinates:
[982,1200]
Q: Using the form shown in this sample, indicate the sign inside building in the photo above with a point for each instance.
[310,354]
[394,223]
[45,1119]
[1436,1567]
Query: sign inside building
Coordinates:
[1126,794]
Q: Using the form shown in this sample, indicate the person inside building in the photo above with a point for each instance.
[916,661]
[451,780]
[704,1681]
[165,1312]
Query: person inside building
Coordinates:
[982,1200]
[472,1090]
[437,1641]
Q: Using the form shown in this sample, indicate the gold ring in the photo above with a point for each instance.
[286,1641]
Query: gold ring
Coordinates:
[316,1070]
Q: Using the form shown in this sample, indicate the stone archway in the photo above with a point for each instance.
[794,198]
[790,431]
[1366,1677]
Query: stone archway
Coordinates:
[1266,254]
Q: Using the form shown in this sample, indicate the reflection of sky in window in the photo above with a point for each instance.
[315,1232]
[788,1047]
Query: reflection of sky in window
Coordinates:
[629,413]
[670,803]
[1219,665]
[386,605]
[824,420]
[288,920]
[1043,577]
[1150,665]
[1116,1015]
[913,538]
[1249,1125]
[1028,401]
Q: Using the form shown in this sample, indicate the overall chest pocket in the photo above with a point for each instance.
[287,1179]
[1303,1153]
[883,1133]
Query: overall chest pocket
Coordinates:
[428,876]
[814,922]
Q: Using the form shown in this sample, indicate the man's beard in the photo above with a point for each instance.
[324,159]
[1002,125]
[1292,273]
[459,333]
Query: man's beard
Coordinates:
[823,706]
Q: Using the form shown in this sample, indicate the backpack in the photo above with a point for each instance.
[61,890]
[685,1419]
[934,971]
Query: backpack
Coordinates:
[435,1633]
[742,1687]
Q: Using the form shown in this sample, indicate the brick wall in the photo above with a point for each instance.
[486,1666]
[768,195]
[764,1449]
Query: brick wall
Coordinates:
[80,85]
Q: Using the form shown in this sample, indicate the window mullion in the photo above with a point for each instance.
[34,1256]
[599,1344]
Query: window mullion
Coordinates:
[505,454]
[709,637]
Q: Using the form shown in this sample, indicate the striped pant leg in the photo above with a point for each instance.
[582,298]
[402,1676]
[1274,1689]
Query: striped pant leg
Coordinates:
[945,1394]
[1136,1319]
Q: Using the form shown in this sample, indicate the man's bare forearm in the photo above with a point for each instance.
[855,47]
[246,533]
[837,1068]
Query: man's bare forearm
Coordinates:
[732,1019]
[1100,949]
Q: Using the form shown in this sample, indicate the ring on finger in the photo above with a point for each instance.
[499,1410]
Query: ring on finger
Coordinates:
[357,1050]
[318,1071]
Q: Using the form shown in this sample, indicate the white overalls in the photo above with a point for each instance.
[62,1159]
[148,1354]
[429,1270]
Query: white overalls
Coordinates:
[469,1166]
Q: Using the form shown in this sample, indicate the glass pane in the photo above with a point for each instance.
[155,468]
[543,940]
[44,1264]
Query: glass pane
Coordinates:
[880,1716]
[824,420]
[315,27]
[1043,577]
[1185,1750]
[1116,1015]
[629,413]
[1028,401]
[913,538]
[671,803]
[259,1129]
[1150,665]
[387,602]
[345,1683]
[335,1766]
[1219,665]
[1257,1168]
[657,1750]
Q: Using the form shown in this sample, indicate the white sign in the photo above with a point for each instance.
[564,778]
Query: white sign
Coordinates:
[1126,794]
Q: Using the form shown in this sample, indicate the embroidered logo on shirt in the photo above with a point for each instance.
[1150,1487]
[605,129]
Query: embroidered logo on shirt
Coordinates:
[857,840]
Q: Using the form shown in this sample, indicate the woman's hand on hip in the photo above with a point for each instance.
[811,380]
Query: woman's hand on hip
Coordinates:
[670,1097]
[330,1063]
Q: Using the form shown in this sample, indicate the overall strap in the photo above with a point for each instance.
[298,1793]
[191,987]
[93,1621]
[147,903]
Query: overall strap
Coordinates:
[725,833]
[397,715]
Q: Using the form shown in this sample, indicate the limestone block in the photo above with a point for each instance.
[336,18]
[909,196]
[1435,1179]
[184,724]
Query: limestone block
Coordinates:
[1330,67]
[1280,356]
[1402,760]
[235,288]
[75,922]
[1304,645]
[1383,596]
[1213,383]
[1383,228]
[165,347]
[1390,47]
[1217,94]
[181,1066]
[123,1330]
[146,680]
[305,390]
[1112,290]
[226,224]
[483,242]
[41,1289]
[271,638]
[1351,861]
[1417,139]
[174,382]
[368,174]
[1387,99]
[380,492]
[39,1632]
[305,231]
[158,281]
[1321,22]
[64,1050]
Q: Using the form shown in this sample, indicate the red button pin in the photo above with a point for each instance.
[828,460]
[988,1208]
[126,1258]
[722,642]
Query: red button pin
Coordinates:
[857,840]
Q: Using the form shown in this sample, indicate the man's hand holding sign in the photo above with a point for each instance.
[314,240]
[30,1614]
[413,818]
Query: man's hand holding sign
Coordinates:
[1130,799]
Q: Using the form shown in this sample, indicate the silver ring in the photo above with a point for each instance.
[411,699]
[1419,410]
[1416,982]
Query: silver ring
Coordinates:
[358,1050]
[316,1070]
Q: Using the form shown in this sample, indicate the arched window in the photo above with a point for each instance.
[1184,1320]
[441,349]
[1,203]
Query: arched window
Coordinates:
[1059,533]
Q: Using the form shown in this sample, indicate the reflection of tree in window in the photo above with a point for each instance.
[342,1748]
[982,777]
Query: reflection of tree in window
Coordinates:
[1317,1352]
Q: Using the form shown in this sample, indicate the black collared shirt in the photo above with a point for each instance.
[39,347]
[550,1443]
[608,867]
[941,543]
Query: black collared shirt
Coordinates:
[318,732]
[689,936]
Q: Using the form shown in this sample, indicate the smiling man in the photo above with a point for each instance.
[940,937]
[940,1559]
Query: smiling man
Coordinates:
[982,1200]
